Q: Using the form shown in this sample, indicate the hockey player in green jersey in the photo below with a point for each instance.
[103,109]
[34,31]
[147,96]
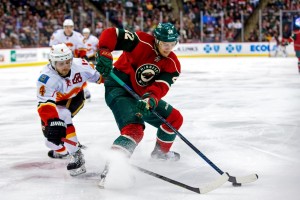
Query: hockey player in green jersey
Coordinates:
[149,66]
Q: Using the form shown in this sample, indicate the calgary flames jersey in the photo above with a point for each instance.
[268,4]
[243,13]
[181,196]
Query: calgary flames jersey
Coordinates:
[53,89]
[91,44]
[74,42]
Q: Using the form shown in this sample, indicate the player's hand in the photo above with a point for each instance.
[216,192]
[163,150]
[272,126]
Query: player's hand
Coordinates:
[55,130]
[104,62]
[145,105]
[286,43]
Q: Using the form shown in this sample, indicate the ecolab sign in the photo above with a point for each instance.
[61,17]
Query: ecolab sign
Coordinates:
[260,48]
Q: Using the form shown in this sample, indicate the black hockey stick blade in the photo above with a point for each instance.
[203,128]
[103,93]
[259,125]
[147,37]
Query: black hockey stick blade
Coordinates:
[205,189]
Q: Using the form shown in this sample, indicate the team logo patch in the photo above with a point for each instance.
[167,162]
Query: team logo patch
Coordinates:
[42,90]
[145,73]
[77,78]
[44,78]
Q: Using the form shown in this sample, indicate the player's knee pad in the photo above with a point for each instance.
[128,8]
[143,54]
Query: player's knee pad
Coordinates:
[175,119]
[135,131]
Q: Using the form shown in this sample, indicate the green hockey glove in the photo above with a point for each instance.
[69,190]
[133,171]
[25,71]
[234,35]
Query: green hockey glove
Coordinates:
[145,105]
[104,62]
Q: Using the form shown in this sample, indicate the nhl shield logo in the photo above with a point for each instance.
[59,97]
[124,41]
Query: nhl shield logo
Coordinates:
[145,73]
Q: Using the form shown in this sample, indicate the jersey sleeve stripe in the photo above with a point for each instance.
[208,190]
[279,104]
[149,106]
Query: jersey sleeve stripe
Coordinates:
[175,65]
[162,81]
[144,41]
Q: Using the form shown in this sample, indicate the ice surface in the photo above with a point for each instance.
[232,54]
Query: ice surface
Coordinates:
[242,113]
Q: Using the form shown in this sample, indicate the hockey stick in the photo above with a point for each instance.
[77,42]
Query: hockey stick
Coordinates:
[207,188]
[236,181]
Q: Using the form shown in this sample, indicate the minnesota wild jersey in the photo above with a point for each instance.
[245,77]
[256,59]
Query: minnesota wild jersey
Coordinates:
[148,70]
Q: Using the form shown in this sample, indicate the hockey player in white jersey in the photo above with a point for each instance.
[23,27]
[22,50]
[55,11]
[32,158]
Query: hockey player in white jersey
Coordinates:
[91,43]
[60,97]
[74,40]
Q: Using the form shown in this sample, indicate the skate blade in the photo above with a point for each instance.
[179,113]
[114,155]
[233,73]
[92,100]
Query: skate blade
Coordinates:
[158,159]
[78,171]
[101,183]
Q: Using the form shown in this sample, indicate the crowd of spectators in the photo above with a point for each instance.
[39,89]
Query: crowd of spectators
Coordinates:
[271,20]
[27,23]
[135,15]
[221,19]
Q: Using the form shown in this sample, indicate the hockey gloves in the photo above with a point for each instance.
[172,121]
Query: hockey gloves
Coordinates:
[55,130]
[145,105]
[104,62]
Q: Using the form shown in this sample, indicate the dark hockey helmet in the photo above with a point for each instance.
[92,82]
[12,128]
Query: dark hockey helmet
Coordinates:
[166,32]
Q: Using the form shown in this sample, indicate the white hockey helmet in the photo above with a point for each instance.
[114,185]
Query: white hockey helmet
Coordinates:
[59,52]
[68,22]
[86,30]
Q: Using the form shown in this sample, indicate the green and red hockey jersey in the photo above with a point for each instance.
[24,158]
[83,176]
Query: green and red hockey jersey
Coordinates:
[149,72]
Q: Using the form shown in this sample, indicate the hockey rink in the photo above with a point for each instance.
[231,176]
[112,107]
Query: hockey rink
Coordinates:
[242,113]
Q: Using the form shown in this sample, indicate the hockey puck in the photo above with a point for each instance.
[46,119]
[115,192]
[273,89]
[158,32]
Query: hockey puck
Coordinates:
[236,184]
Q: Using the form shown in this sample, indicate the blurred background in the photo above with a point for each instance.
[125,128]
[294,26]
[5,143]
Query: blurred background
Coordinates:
[28,23]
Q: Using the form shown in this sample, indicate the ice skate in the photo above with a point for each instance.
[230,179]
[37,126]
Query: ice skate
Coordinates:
[159,155]
[76,164]
[54,154]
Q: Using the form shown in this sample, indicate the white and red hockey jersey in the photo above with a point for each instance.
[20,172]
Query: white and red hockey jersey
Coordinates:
[52,88]
[74,42]
[91,44]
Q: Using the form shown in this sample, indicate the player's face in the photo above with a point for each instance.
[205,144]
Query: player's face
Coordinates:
[63,67]
[85,35]
[165,48]
[68,30]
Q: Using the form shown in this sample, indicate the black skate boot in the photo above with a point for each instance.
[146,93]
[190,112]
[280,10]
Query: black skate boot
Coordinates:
[159,155]
[54,154]
[76,164]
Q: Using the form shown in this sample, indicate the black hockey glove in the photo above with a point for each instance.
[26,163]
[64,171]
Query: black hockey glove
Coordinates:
[86,58]
[55,130]
[104,62]
[145,105]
